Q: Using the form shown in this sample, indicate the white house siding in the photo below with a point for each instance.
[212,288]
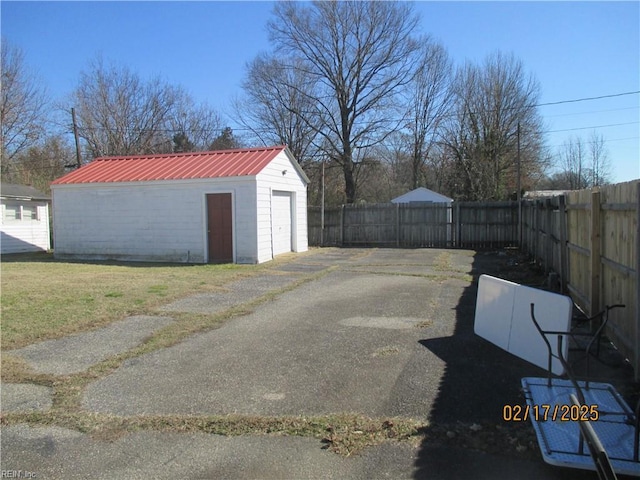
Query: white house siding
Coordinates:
[149,221]
[25,235]
[271,179]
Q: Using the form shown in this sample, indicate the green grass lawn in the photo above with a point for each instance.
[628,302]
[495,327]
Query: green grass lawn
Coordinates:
[44,298]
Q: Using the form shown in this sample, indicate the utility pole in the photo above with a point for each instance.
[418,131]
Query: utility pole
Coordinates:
[322,209]
[519,193]
[75,134]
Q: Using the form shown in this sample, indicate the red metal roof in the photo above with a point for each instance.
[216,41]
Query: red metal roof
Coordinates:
[174,166]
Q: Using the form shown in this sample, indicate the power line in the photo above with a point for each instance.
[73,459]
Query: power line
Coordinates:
[591,111]
[246,129]
[587,128]
[586,99]
[47,168]
[240,128]
[606,140]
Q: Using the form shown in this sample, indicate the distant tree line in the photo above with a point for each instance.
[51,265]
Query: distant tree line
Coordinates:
[350,87]
[356,93]
[117,113]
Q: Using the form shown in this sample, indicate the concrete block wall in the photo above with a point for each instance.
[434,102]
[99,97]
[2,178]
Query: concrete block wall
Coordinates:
[148,221]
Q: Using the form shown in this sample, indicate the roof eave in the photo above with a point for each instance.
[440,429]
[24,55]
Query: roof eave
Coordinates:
[296,165]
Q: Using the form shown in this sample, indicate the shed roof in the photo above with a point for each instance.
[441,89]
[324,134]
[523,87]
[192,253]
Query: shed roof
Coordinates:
[177,166]
[422,194]
[10,190]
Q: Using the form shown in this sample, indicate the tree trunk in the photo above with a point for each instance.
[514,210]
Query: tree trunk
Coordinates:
[349,180]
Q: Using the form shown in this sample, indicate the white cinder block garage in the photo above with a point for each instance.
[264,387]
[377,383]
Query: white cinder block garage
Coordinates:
[242,206]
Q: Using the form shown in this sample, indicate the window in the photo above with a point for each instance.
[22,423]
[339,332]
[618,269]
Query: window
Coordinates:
[12,212]
[29,212]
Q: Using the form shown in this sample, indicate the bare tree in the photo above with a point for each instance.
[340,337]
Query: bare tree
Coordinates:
[430,98]
[273,93]
[573,158]
[194,127]
[599,163]
[492,102]
[395,152]
[359,55]
[24,105]
[40,164]
[120,114]
[582,164]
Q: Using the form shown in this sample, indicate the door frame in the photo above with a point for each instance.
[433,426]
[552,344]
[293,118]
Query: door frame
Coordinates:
[205,215]
[293,219]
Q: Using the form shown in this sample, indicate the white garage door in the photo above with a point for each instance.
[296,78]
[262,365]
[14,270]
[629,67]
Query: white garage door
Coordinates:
[281,215]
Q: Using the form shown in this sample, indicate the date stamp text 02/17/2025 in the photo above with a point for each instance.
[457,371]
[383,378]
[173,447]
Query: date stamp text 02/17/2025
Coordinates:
[543,413]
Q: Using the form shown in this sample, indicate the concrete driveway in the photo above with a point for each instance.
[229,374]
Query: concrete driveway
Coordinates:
[383,333]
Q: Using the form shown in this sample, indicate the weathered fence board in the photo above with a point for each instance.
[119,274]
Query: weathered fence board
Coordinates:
[589,238]
[486,224]
[425,227]
[579,241]
[464,225]
[375,224]
[543,231]
[597,253]
[619,264]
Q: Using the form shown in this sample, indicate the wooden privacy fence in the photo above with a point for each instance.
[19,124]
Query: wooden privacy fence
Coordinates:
[591,238]
[442,225]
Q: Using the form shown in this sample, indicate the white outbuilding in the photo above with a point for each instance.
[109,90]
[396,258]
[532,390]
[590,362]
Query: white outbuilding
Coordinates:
[24,219]
[422,195]
[431,209]
[241,206]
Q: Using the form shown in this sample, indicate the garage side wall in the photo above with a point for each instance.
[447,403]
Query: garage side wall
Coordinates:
[148,221]
[272,179]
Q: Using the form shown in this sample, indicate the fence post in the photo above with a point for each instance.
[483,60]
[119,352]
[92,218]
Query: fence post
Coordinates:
[519,219]
[534,229]
[458,233]
[564,267]
[397,224]
[548,247]
[595,254]
[342,225]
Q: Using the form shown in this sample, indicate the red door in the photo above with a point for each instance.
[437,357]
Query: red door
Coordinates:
[219,228]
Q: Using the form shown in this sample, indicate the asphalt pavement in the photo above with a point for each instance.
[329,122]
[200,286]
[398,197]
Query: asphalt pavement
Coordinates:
[383,333]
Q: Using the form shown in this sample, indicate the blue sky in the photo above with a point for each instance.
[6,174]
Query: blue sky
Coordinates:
[575,49]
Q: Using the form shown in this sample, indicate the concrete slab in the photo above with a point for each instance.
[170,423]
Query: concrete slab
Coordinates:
[78,352]
[335,256]
[232,295]
[302,267]
[301,354]
[58,453]
[344,343]
[24,397]
[415,270]
[50,452]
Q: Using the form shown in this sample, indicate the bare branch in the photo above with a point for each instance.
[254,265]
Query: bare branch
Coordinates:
[359,55]
[23,108]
